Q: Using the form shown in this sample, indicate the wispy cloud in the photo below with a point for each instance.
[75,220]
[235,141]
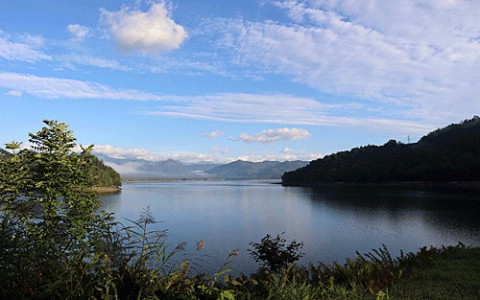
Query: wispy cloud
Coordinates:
[284,109]
[21,51]
[239,108]
[273,135]
[33,41]
[426,68]
[14,93]
[280,157]
[122,153]
[71,60]
[55,88]
[137,153]
[291,154]
[148,32]
[213,134]
[79,32]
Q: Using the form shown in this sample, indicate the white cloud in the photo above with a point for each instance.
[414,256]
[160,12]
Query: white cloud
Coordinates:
[256,108]
[284,109]
[74,59]
[121,153]
[274,135]
[213,134]
[138,153]
[418,58]
[286,150]
[280,157]
[33,41]
[14,93]
[79,32]
[240,108]
[147,32]
[10,50]
[194,65]
[55,88]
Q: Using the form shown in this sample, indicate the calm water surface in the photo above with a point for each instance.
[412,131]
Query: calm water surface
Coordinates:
[333,224]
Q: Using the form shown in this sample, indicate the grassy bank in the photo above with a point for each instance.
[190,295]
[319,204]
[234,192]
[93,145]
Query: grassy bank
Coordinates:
[431,273]
[454,276]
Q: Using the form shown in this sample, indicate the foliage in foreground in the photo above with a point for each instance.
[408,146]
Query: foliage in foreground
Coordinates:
[456,276]
[55,243]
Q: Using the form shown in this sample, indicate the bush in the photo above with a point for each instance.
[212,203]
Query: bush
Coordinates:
[274,253]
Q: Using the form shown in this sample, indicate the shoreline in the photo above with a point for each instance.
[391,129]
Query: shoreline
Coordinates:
[107,189]
[168,179]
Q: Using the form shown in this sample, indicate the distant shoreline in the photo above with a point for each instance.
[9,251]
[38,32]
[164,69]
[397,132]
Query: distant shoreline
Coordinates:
[209,179]
[166,179]
[451,186]
[107,189]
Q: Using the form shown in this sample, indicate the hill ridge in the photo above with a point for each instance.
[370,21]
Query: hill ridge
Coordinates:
[444,155]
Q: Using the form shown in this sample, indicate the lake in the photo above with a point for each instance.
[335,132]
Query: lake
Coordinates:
[332,223]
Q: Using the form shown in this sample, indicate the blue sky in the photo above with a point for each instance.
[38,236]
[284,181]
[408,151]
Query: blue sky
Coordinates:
[225,80]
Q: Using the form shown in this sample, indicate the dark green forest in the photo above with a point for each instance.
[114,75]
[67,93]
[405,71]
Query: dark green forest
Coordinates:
[450,154]
[106,176]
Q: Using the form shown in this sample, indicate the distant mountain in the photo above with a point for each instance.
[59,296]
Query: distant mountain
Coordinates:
[255,170]
[444,155]
[144,169]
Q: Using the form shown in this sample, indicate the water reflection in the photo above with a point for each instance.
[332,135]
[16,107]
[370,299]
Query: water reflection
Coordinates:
[442,210]
[332,223]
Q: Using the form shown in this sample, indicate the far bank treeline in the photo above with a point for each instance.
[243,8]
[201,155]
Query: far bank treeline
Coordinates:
[104,175]
[450,154]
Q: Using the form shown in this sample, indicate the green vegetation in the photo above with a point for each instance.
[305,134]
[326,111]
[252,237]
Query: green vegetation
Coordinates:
[55,243]
[50,231]
[450,154]
[454,276]
[274,254]
[106,176]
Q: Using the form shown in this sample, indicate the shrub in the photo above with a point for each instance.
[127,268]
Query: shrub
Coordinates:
[274,253]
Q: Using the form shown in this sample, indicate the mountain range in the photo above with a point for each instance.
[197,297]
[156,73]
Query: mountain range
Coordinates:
[138,169]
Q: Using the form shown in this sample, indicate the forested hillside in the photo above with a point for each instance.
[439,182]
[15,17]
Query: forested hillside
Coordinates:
[105,175]
[444,155]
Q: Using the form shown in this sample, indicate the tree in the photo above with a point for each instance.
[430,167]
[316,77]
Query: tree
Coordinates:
[50,220]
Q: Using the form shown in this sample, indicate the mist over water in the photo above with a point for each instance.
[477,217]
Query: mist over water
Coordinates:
[332,223]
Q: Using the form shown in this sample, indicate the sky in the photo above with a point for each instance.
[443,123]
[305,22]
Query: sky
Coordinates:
[217,81]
